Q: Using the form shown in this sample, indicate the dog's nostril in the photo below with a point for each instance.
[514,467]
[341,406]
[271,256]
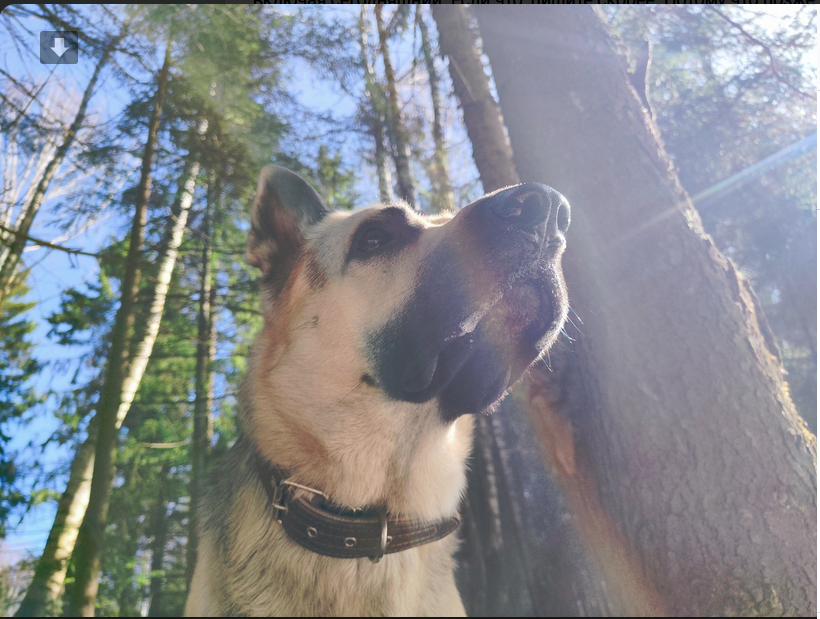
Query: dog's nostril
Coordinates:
[559,219]
[507,209]
[563,217]
[525,211]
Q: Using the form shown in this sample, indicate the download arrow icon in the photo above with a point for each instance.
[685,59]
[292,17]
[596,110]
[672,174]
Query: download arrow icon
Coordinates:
[59,47]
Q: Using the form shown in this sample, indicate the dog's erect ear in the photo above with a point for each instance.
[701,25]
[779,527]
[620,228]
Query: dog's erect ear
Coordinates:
[284,207]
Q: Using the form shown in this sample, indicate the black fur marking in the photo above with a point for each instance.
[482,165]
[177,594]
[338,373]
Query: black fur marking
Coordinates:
[367,379]
[393,220]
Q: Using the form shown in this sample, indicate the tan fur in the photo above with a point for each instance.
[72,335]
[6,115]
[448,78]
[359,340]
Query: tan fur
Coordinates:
[308,404]
[338,434]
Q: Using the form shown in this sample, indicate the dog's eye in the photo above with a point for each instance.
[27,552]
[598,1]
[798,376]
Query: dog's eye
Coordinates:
[372,239]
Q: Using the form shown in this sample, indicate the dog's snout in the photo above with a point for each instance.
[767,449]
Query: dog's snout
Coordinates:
[528,206]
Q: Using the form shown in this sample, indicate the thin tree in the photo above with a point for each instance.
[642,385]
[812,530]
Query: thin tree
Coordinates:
[395,118]
[443,198]
[689,475]
[11,259]
[374,94]
[203,382]
[159,528]
[491,147]
[49,576]
[122,379]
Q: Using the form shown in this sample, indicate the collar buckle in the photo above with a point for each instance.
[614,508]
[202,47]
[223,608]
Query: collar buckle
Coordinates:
[279,497]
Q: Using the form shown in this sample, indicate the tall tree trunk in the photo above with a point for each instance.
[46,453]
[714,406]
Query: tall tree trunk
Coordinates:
[203,425]
[49,577]
[159,528]
[120,386]
[33,171]
[11,259]
[442,187]
[491,147]
[395,118]
[690,478]
[43,594]
[375,98]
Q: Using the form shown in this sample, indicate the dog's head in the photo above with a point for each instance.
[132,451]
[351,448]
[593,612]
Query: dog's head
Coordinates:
[383,309]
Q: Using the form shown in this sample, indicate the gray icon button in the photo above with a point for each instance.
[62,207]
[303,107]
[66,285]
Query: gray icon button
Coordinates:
[59,47]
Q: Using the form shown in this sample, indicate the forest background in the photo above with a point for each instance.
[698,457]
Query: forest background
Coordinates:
[126,306]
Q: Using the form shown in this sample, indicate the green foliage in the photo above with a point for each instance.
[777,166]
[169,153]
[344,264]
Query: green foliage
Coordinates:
[17,371]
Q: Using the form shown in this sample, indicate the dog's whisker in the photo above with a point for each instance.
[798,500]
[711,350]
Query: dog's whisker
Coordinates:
[356,386]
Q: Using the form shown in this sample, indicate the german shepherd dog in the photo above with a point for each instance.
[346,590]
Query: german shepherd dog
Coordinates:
[385,331]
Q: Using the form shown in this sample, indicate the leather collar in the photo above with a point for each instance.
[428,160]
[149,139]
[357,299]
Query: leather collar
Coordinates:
[314,523]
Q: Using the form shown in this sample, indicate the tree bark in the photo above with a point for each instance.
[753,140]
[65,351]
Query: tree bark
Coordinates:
[49,577]
[491,147]
[118,391]
[690,478]
[375,98]
[203,402]
[395,118]
[43,593]
[11,258]
[442,187]
[159,527]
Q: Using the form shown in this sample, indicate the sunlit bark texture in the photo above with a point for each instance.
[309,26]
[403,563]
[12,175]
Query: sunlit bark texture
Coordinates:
[690,479]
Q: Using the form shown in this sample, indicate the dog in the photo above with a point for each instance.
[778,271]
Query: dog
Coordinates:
[385,333]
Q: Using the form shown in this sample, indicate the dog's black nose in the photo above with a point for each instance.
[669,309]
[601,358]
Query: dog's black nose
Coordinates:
[529,205]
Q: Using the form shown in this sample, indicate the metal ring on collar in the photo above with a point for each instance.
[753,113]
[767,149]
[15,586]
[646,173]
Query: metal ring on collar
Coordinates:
[383,541]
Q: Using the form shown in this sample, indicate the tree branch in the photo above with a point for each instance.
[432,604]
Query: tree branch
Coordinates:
[767,49]
[43,243]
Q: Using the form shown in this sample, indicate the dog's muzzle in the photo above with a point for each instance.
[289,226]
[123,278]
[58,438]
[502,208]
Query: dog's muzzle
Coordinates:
[490,301]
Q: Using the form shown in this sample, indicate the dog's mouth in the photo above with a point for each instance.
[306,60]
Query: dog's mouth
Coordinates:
[472,368]
[469,367]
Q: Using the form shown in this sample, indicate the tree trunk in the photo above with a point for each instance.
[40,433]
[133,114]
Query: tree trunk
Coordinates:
[395,118]
[11,258]
[43,593]
[491,148]
[443,199]
[375,98]
[14,180]
[118,392]
[690,478]
[49,576]
[159,527]
[205,349]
